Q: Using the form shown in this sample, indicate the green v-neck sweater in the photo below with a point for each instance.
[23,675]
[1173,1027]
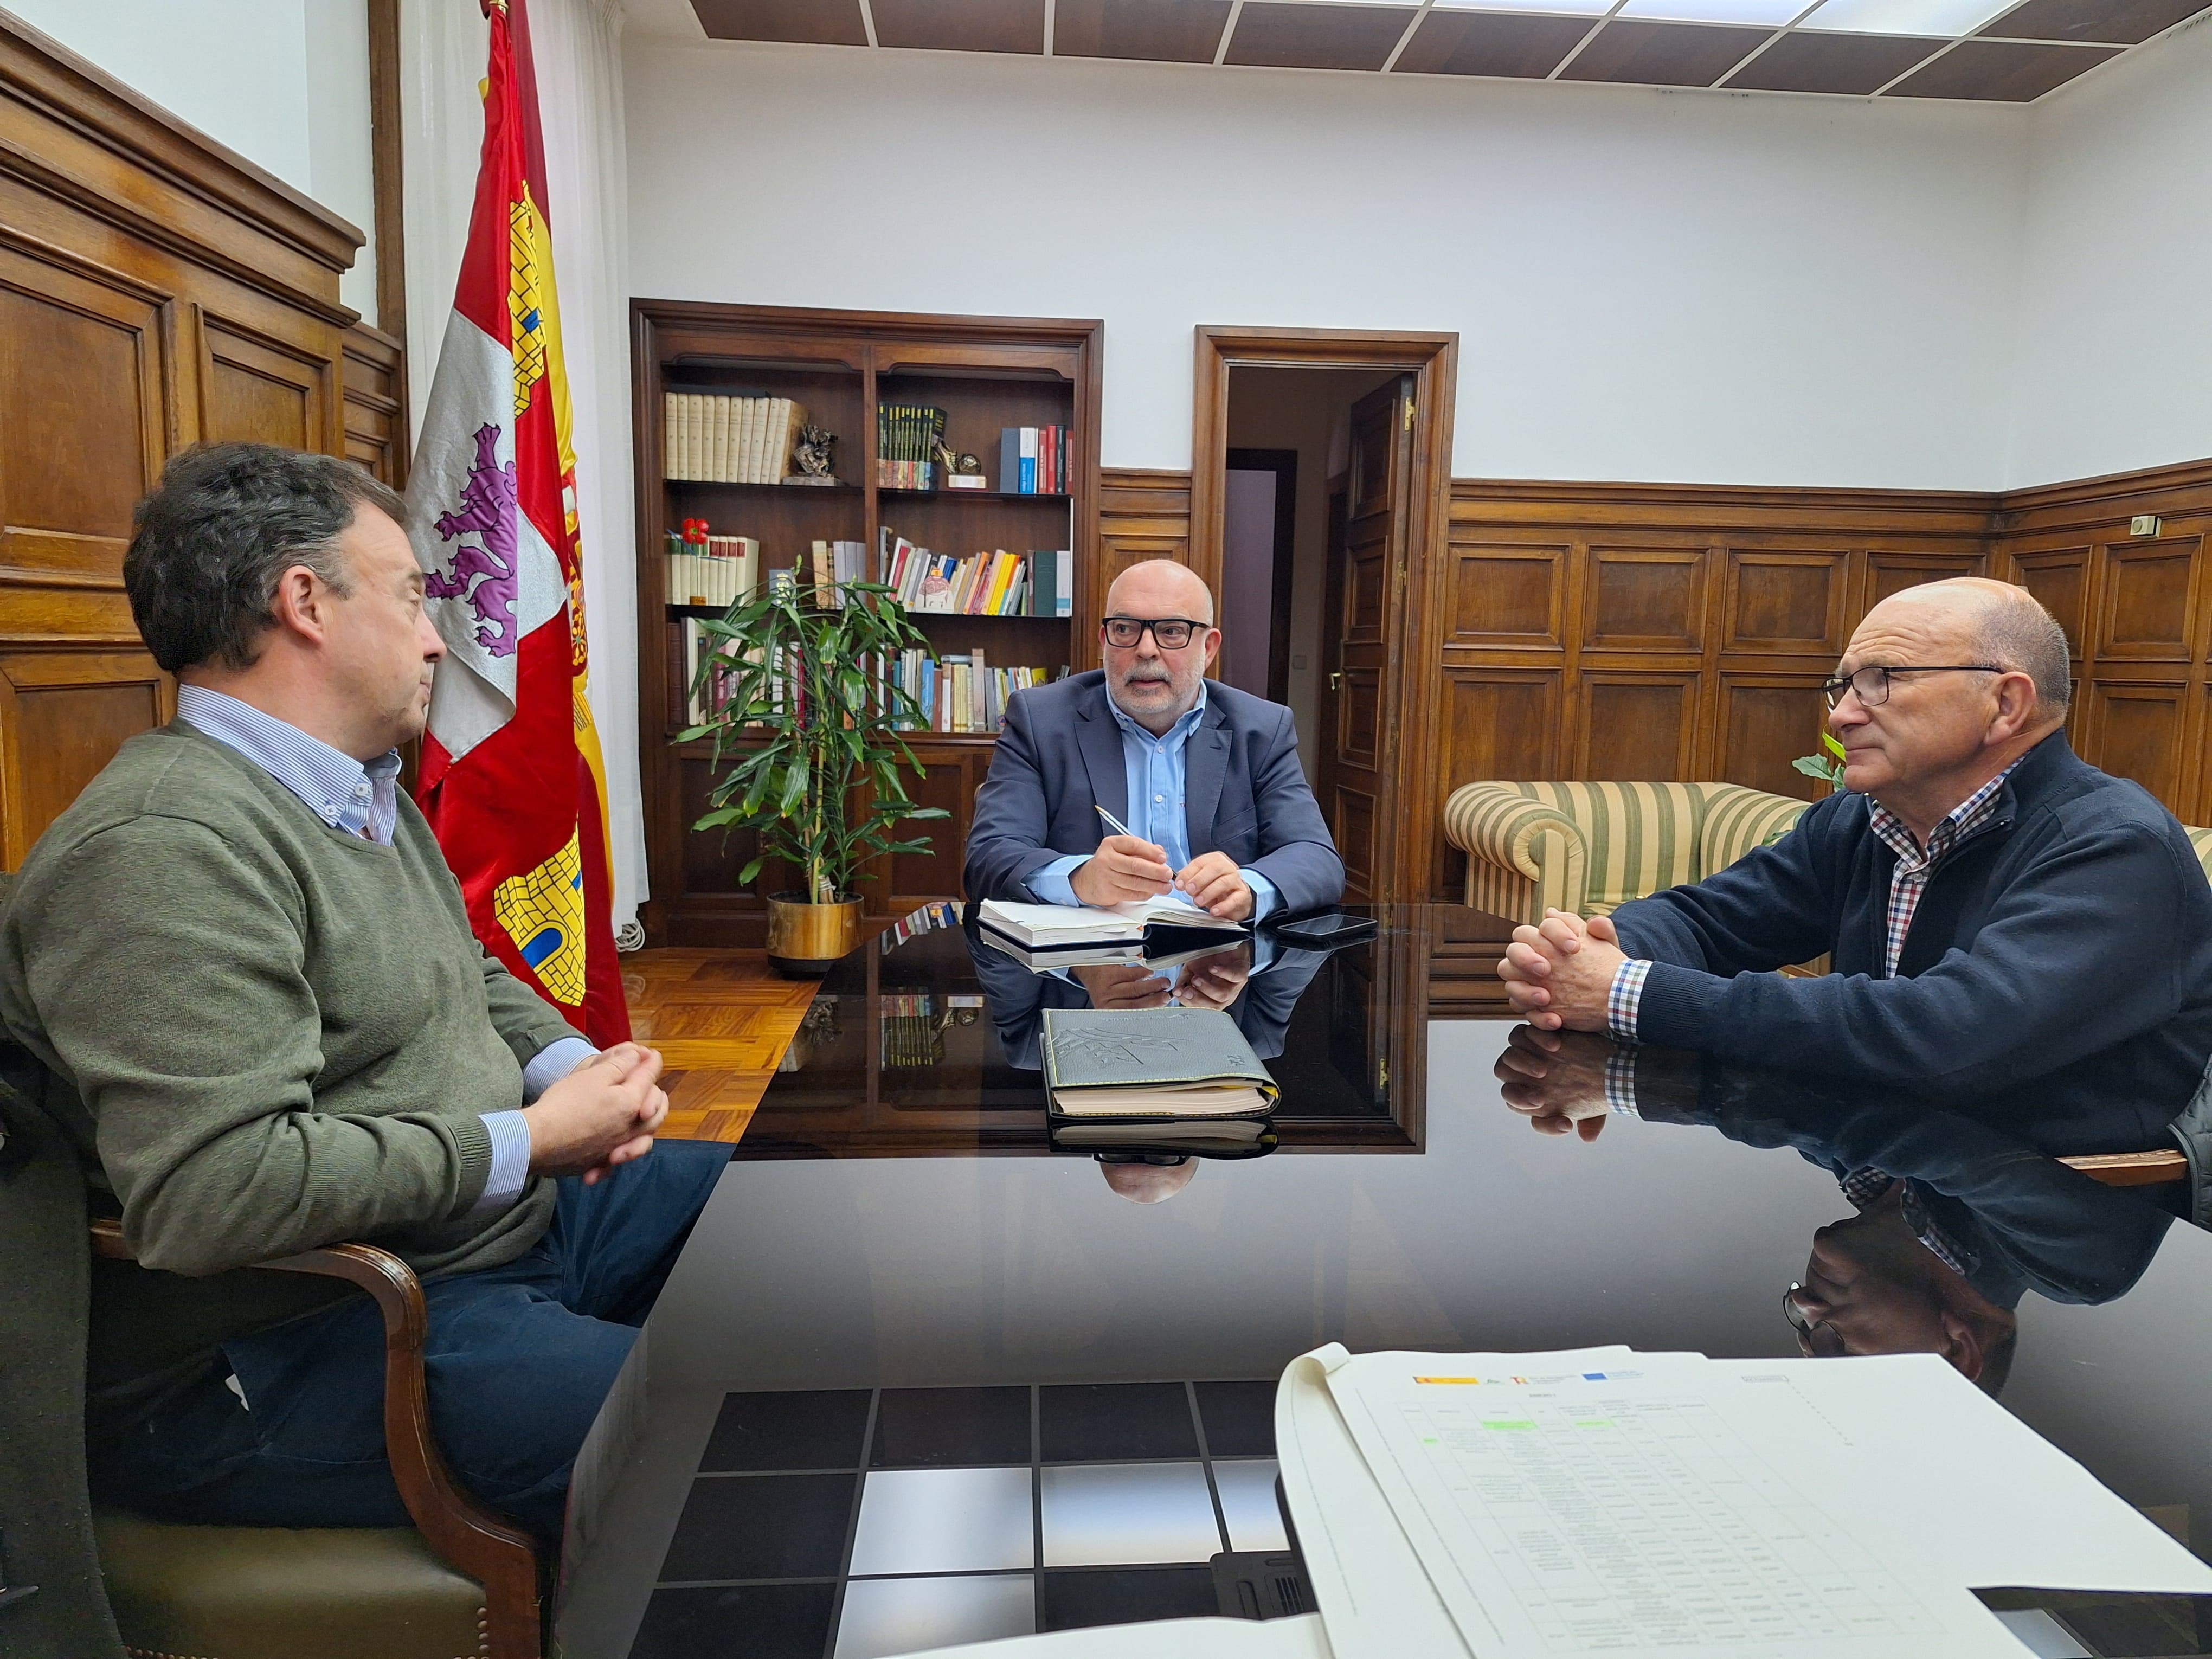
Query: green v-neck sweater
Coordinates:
[267,1033]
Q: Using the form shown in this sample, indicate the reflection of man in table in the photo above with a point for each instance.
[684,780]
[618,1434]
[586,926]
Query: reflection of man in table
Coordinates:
[2009,925]
[1205,777]
[1956,1219]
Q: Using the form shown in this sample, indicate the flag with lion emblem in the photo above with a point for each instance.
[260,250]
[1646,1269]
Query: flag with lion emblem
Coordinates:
[512,779]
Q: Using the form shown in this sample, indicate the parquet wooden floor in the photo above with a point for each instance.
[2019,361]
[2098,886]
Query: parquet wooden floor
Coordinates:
[722,1020]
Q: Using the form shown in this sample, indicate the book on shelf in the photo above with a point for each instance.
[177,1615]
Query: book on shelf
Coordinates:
[714,437]
[907,436]
[1033,460]
[709,569]
[830,566]
[705,699]
[995,584]
[960,691]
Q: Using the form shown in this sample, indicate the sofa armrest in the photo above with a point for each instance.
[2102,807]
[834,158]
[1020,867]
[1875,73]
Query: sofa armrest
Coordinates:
[1523,855]
[498,1555]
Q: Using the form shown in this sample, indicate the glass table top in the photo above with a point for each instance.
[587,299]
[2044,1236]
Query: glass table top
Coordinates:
[920,1378]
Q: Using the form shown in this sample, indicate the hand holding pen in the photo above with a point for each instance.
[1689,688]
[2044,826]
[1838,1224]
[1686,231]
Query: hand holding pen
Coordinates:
[1124,867]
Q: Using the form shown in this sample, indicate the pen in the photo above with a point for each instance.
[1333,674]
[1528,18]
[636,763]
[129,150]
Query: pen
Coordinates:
[1112,823]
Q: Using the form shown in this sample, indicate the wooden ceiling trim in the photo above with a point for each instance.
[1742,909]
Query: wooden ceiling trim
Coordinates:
[1281,36]
[1855,65]
[1489,43]
[1664,54]
[1146,31]
[2102,22]
[1004,25]
[798,23]
[1999,71]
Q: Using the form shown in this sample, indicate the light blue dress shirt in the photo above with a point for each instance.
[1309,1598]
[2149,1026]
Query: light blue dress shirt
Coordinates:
[364,800]
[1156,774]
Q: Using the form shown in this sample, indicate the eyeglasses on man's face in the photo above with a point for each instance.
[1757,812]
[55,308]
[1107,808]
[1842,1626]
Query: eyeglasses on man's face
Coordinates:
[1872,682]
[1820,1339]
[1169,633]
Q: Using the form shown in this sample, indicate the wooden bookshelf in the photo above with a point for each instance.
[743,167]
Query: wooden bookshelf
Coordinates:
[987,373]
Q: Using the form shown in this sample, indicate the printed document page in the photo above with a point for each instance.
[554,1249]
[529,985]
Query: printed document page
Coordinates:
[1978,1490]
[1614,1507]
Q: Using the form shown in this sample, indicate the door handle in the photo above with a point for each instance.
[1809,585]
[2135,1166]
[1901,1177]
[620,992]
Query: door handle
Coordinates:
[1336,681]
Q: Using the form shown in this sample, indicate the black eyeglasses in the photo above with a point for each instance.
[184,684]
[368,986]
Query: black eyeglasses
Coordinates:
[1169,633]
[1872,683]
[1822,1340]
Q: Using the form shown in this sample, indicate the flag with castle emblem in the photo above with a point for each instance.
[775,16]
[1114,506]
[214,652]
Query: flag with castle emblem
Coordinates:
[512,779]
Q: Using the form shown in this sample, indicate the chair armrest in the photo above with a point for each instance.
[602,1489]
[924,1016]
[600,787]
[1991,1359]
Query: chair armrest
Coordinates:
[1494,822]
[500,1557]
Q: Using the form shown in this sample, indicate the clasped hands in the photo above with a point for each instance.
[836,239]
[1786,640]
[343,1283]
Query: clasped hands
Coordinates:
[1125,868]
[1560,975]
[602,1115]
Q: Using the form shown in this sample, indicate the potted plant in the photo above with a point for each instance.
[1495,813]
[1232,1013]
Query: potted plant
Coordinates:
[810,729]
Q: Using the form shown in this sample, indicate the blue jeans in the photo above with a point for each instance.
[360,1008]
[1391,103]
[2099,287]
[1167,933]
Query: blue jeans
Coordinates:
[518,1361]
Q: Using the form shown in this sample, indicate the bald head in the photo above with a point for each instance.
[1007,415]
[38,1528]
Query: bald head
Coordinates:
[1992,621]
[1156,684]
[1149,1183]
[1160,587]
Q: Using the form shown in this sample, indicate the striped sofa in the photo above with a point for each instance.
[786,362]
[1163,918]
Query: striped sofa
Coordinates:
[1589,847]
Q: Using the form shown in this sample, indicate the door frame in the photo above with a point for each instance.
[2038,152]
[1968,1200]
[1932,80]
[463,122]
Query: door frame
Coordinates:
[1413,719]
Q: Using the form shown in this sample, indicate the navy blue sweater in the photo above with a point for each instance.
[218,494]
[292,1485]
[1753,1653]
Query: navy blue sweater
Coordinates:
[2057,979]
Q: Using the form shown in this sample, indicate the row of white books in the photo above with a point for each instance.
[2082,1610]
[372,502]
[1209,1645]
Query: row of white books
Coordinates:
[717,570]
[717,439]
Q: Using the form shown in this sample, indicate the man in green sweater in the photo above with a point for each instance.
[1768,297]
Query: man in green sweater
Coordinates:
[243,963]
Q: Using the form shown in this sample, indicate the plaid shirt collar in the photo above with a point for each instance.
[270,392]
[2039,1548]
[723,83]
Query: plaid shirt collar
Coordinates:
[1959,823]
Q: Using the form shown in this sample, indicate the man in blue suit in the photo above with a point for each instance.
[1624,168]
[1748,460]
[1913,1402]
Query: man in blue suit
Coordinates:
[1205,777]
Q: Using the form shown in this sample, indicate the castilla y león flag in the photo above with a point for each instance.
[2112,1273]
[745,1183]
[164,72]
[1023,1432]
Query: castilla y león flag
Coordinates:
[512,779]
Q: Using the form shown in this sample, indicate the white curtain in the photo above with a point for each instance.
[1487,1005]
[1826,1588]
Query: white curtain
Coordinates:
[578,50]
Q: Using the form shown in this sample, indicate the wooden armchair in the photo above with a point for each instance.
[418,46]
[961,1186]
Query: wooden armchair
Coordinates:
[460,1581]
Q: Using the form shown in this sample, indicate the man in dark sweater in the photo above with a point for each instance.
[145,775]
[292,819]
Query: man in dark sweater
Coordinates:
[248,973]
[2012,931]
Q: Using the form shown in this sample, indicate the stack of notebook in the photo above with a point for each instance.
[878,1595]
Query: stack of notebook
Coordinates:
[1151,1063]
[1159,931]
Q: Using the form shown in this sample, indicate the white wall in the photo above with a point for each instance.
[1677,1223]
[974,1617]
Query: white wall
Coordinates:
[2115,340]
[284,82]
[1646,285]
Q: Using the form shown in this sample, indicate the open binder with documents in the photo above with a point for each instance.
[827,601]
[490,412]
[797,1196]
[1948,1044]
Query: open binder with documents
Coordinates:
[1505,1506]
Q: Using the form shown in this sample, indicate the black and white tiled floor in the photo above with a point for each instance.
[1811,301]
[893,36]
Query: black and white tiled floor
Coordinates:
[862,1524]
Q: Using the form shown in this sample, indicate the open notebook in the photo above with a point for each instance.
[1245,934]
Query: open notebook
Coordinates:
[1048,927]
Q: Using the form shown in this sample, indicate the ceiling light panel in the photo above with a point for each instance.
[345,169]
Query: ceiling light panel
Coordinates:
[1568,7]
[1770,13]
[1905,17]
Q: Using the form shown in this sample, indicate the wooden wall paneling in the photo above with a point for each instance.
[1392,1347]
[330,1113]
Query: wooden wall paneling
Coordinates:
[87,352]
[2059,579]
[1506,594]
[120,229]
[1645,599]
[261,390]
[64,713]
[1503,723]
[1634,725]
[1792,602]
[376,403]
[2141,729]
[1764,722]
[1141,515]
[2147,601]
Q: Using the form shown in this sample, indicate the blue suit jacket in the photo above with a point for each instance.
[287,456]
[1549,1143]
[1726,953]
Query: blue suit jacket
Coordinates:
[1060,756]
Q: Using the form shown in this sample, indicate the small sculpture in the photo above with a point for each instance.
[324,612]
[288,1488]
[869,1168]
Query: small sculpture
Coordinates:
[956,471]
[813,455]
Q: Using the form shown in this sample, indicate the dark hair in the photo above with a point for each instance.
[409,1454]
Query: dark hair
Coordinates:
[228,520]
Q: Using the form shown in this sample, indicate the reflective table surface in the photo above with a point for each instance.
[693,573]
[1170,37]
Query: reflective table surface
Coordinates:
[919,1377]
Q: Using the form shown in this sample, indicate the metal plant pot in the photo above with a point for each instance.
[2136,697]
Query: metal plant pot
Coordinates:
[804,938]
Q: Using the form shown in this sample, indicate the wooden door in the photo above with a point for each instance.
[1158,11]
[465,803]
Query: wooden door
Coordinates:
[1369,579]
